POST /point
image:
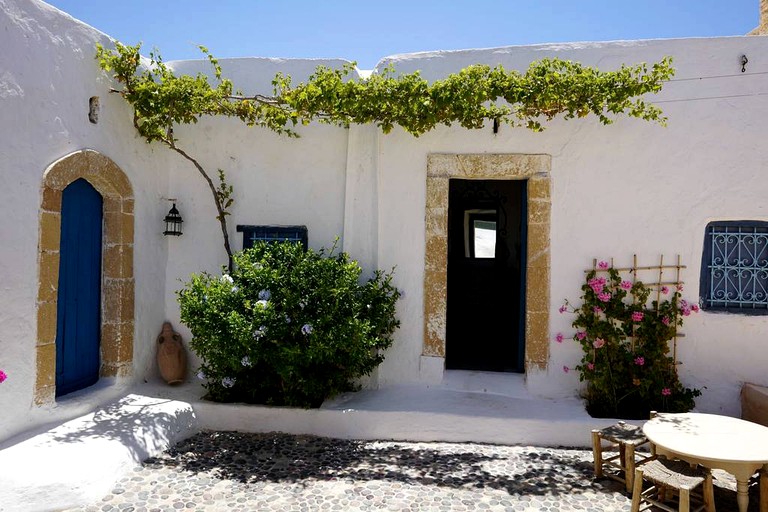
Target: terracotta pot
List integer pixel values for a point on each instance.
(171, 357)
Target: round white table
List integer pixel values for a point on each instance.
(716, 442)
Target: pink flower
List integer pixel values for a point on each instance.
(603, 265)
(581, 335)
(597, 310)
(3, 376)
(566, 369)
(599, 342)
(637, 316)
(640, 361)
(695, 308)
(597, 284)
(590, 366)
(626, 285)
(679, 287)
(563, 308)
(605, 296)
(665, 320)
(664, 290)
(559, 337)
(666, 391)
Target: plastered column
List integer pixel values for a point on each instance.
(361, 235)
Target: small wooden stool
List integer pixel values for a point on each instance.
(668, 475)
(623, 438)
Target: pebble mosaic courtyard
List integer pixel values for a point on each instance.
(230, 471)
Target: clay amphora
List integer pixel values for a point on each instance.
(171, 357)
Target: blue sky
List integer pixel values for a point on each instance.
(366, 31)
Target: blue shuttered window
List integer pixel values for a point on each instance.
(734, 269)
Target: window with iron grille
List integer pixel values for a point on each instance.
(734, 268)
(252, 234)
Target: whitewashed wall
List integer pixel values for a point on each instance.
(632, 187)
(47, 75)
(628, 188)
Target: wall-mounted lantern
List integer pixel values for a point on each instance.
(173, 222)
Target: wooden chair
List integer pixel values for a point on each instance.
(666, 476)
(624, 439)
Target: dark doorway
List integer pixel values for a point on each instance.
(486, 275)
(78, 314)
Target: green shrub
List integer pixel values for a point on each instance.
(288, 326)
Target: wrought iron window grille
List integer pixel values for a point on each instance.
(734, 269)
(253, 234)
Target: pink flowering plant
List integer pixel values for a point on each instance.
(625, 338)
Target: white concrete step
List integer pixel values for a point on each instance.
(417, 413)
(78, 461)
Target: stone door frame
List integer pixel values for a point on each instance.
(535, 169)
(117, 281)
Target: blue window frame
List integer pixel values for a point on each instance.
(252, 234)
(734, 267)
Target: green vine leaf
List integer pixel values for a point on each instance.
(477, 93)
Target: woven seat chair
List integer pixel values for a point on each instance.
(666, 476)
(624, 439)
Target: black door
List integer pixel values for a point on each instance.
(486, 275)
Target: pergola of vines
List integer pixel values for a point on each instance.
(162, 100)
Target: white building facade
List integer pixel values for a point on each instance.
(577, 191)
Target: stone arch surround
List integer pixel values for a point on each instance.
(535, 169)
(117, 281)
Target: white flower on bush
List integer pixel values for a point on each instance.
(201, 375)
(265, 295)
(226, 278)
(287, 319)
(302, 304)
(235, 289)
(306, 329)
(258, 333)
(228, 382)
(246, 361)
(262, 303)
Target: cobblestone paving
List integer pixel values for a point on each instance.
(225, 471)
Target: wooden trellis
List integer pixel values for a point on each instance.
(658, 279)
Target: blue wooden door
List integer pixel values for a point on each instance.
(78, 321)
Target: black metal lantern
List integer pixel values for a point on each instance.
(173, 222)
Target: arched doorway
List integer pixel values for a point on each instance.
(115, 278)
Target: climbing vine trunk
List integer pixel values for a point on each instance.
(222, 216)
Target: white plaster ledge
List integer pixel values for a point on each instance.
(78, 461)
